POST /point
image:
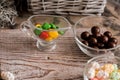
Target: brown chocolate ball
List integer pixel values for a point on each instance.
(114, 40)
(85, 42)
(92, 41)
(85, 35)
(97, 35)
(108, 34)
(101, 45)
(111, 45)
(95, 29)
(95, 47)
(103, 39)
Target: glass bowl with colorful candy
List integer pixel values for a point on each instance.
(103, 67)
(96, 35)
(46, 29)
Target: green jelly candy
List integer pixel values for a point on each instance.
(61, 32)
(115, 75)
(53, 26)
(37, 31)
(57, 27)
(46, 26)
(115, 67)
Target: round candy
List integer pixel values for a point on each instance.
(7, 76)
(91, 73)
(94, 79)
(44, 35)
(115, 75)
(108, 34)
(115, 67)
(111, 45)
(61, 32)
(85, 42)
(53, 26)
(108, 68)
(53, 34)
(97, 35)
(95, 29)
(114, 40)
(92, 41)
(100, 45)
(37, 31)
(49, 39)
(102, 74)
(38, 25)
(104, 39)
(85, 35)
(95, 65)
(46, 26)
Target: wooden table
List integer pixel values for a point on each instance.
(19, 55)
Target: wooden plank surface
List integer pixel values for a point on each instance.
(19, 55)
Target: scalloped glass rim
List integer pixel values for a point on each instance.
(76, 38)
(95, 58)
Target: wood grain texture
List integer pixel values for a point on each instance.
(19, 55)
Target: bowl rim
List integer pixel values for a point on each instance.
(111, 55)
(76, 38)
(68, 27)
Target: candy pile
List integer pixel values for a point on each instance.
(98, 40)
(47, 31)
(6, 76)
(103, 72)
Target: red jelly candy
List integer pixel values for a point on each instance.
(94, 79)
(44, 35)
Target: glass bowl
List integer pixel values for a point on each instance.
(105, 24)
(103, 67)
(46, 29)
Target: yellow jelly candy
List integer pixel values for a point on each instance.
(38, 25)
(53, 34)
(96, 71)
(49, 39)
(108, 68)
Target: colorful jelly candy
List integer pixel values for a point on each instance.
(53, 26)
(37, 31)
(53, 34)
(46, 26)
(61, 32)
(115, 75)
(103, 72)
(94, 79)
(108, 68)
(49, 39)
(47, 31)
(38, 25)
(44, 35)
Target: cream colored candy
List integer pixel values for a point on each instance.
(95, 65)
(7, 75)
(102, 74)
(108, 68)
(91, 73)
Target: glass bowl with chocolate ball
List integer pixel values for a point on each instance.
(96, 35)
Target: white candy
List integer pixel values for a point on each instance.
(102, 74)
(95, 65)
(7, 75)
(91, 73)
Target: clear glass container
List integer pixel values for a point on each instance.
(105, 24)
(110, 62)
(30, 25)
